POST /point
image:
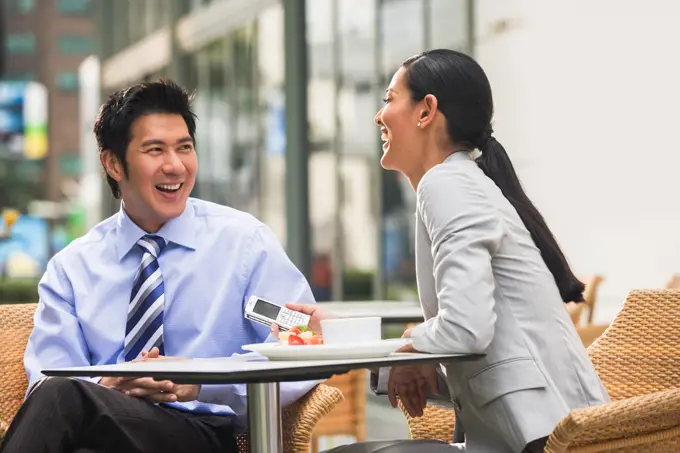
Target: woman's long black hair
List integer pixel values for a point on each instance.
(464, 97)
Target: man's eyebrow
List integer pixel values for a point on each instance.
(153, 141)
(157, 141)
(186, 139)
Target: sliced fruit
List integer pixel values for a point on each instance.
(306, 335)
(295, 340)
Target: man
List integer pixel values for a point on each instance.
(167, 275)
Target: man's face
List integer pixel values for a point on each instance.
(162, 164)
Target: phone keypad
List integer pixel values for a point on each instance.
(292, 318)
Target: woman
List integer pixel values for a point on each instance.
(491, 277)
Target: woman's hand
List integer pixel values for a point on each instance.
(410, 383)
(407, 347)
(316, 313)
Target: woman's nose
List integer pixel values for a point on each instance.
(377, 118)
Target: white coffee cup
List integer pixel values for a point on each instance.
(351, 330)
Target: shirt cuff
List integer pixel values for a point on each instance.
(379, 381)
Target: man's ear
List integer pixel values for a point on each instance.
(428, 110)
(112, 165)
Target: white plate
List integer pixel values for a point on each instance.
(275, 351)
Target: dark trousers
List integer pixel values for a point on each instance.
(64, 415)
(416, 446)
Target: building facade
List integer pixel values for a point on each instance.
(235, 55)
(45, 42)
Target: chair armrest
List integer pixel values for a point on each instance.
(3, 430)
(639, 420)
(300, 418)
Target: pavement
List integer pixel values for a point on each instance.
(382, 423)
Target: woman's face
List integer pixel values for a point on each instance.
(400, 131)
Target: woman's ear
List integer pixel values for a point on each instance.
(428, 110)
(112, 165)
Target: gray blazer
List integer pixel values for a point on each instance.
(484, 288)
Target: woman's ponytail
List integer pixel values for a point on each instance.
(496, 164)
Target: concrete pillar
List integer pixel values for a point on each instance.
(297, 143)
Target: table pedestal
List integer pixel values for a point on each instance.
(265, 433)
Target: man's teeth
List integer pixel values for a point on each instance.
(168, 186)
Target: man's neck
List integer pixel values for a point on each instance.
(148, 225)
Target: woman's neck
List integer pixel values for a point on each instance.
(427, 164)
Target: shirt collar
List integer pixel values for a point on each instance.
(459, 155)
(179, 230)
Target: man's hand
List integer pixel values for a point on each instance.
(155, 354)
(150, 389)
(316, 313)
(410, 384)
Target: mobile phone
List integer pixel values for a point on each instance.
(268, 313)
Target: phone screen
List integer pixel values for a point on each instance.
(266, 309)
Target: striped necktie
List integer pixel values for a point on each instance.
(144, 328)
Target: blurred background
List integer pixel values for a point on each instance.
(586, 97)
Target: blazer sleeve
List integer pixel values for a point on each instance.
(465, 230)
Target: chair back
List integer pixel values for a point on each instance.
(590, 295)
(16, 323)
(582, 313)
(639, 353)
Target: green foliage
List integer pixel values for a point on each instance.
(18, 291)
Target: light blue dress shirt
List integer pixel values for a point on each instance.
(216, 258)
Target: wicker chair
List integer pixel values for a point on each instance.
(674, 282)
(16, 322)
(638, 360)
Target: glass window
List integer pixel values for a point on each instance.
(403, 32)
(21, 77)
(75, 44)
(195, 4)
(449, 24)
(271, 119)
(137, 20)
(214, 130)
(74, 6)
(119, 27)
(357, 142)
(70, 164)
(228, 133)
(343, 99)
(20, 43)
(67, 81)
(403, 35)
(244, 160)
(156, 14)
(21, 6)
(324, 202)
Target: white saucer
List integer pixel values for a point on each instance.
(275, 351)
